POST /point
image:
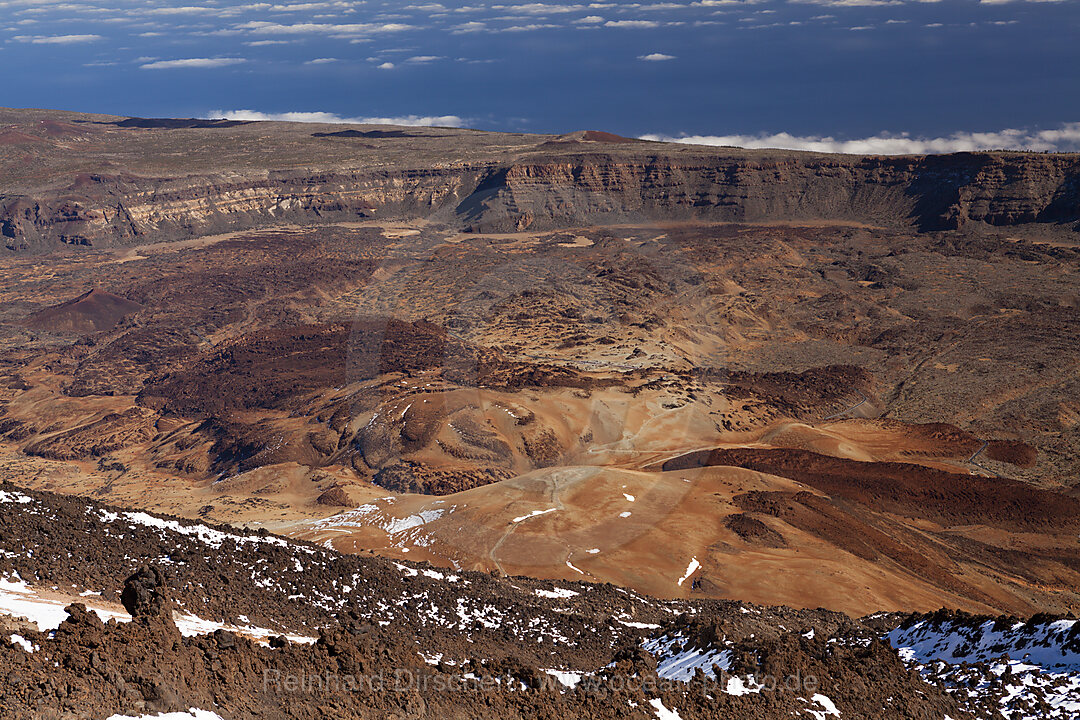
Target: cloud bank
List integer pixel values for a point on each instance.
(192, 63)
(57, 39)
(1065, 138)
(332, 118)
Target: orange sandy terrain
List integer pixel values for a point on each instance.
(489, 427)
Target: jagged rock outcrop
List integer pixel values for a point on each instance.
(146, 595)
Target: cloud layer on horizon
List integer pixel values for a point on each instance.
(1065, 138)
(334, 119)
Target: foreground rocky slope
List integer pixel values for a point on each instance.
(359, 637)
(99, 180)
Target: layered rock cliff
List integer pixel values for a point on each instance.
(544, 188)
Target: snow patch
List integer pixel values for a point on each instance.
(20, 640)
(567, 678)
(556, 594)
(690, 570)
(662, 713)
(20, 600)
(676, 661)
(192, 714)
(826, 703)
(533, 514)
(7, 497)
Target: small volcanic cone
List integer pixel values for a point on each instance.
(91, 312)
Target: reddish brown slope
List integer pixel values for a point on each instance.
(90, 312)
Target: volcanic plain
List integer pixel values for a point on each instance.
(784, 378)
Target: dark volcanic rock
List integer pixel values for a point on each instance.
(145, 595)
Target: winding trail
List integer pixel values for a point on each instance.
(850, 409)
(971, 461)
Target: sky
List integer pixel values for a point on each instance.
(887, 76)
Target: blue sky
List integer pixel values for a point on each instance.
(859, 75)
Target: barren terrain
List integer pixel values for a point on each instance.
(569, 358)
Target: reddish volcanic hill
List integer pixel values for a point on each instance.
(90, 312)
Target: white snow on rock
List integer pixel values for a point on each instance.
(207, 535)
(190, 625)
(567, 678)
(192, 714)
(7, 497)
(408, 523)
(20, 640)
(20, 600)
(829, 708)
(405, 529)
(737, 686)
(675, 661)
(1034, 663)
(690, 570)
(662, 713)
(533, 514)
(629, 497)
(556, 594)
(1054, 645)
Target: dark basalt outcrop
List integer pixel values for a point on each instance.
(145, 594)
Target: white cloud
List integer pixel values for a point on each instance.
(57, 39)
(333, 118)
(183, 10)
(1063, 139)
(663, 6)
(386, 66)
(589, 20)
(321, 61)
(527, 28)
(420, 59)
(193, 63)
(656, 57)
(345, 29)
(852, 3)
(631, 24)
(537, 8)
(469, 27)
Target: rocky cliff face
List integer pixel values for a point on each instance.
(545, 191)
(930, 193)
